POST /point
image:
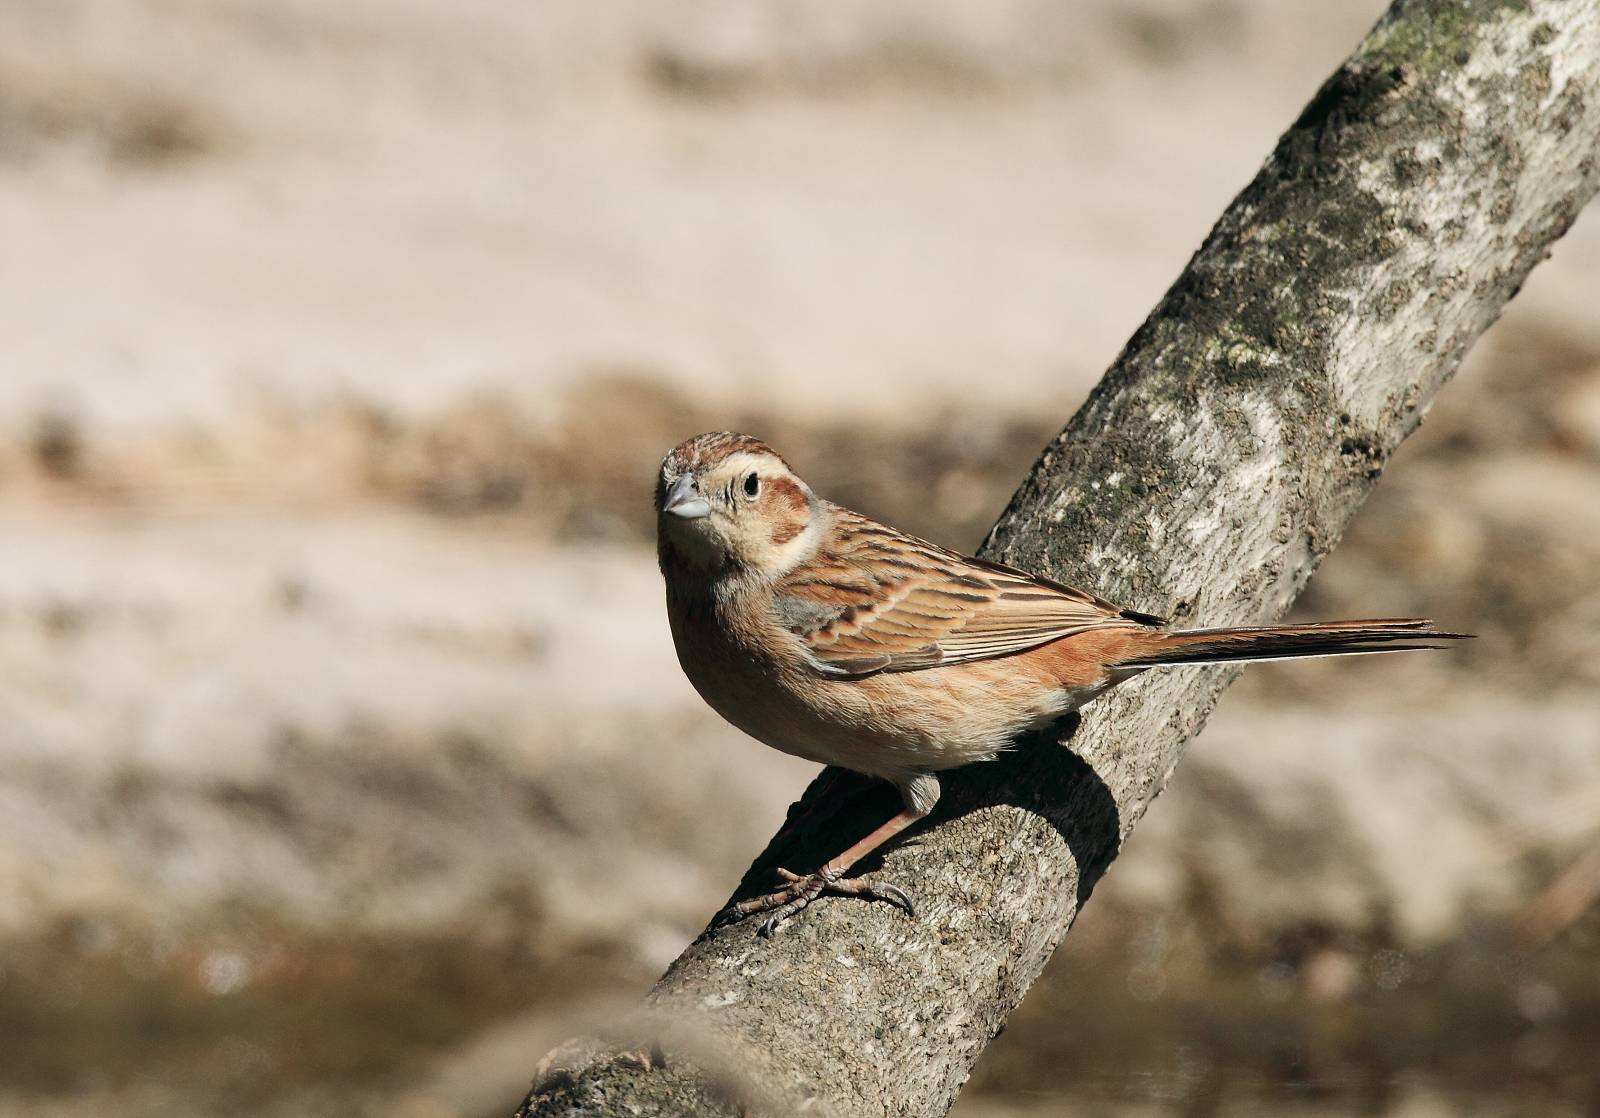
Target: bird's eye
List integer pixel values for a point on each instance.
(752, 485)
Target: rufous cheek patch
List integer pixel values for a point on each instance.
(788, 507)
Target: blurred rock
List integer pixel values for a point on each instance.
(1578, 414)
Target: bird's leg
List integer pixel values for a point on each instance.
(799, 891)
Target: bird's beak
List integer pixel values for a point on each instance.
(682, 500)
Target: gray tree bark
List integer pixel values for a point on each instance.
(1208, 473)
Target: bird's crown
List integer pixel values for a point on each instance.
(706, 452)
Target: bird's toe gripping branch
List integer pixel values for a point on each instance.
(799, 891)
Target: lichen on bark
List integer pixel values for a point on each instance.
(1207, 474)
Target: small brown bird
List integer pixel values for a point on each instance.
(835, 638)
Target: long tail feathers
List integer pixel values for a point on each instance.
(1280, 642)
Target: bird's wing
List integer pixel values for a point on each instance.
(876, 600)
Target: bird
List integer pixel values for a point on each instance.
(829, 636)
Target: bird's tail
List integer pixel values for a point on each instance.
(1281, 642)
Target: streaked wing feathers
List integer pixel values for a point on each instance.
(876, 600)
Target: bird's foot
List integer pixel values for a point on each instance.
(798, 892)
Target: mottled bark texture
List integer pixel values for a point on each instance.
(1207, 474)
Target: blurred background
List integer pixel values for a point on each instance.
(344, 761)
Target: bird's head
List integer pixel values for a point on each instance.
(729, 504)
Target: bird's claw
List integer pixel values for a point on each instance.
(797, 893)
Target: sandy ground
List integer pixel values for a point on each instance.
(827, 206)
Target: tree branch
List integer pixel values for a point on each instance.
(1212, 468)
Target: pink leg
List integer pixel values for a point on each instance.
(798, 892)
(876, 839)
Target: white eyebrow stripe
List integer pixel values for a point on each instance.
(741, 461)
